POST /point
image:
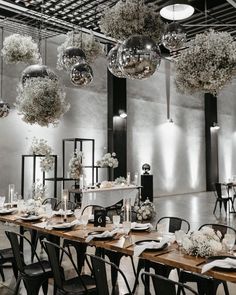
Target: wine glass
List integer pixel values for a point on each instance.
(77, 213)
(126, 228)
(179, 234)
(116, 220)
(229, 241)
(84, 220)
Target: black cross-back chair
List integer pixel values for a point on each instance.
(164, 286)
(204, 282)
(52, 201)
(99, 267)
(6, 256)
(70, 205)
(175, 223)
(34, 275)
(221, 199)
(80, 284)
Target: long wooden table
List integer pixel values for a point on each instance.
(171, 256)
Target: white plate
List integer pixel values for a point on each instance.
(139, 228)
(7, 211)
(68, 213)
(31, 217)
(62, 226)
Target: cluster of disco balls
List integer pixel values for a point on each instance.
(74, 60)
(138, 57)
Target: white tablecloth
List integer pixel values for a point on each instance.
(107, 197)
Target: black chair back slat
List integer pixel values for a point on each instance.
(165, 286)
(52, 201)
(70, 205)
(222, 228)
(13, 238)
(175, 223)
(218, 189)
(100, 275)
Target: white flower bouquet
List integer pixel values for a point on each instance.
(131, 17)
(108, 160)
(47, 163)
(41, 101)
(40, 147)
(75, 165)
(18, 48)
(145, 210)
(39, 192)
(87, 42)
(207, 64)
(205, 242)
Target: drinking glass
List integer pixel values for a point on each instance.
(2, 201)
(179, 234)
(126, 228)
(229, 241)
(84, 220)
(116, 220)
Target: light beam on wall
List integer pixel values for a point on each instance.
(169, 135)
(193, 151)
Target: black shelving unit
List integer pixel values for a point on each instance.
(34, 158)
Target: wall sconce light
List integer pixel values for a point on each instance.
(215, 125)
(122, 114)
(177, 10)
(170, 120)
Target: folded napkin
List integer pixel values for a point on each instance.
(141, 225)
(61, 212)
(105, 234)
(138, 249)
(224, 263)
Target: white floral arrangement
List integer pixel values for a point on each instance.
(47, 163)
(106, 184)
(42, 101)
(120, 181)
(40, 147)
(39, 192)
(207, 64)
(108, 160)
(205, 242)
(131, 17)
(19, 48)
(75, 165)
(87, 42)
(145, 210)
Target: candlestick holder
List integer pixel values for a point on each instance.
(65, 194)
(127, 210)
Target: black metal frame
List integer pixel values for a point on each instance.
(34, 172)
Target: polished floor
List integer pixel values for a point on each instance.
(197, 208)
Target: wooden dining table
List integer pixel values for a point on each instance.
(171, 256)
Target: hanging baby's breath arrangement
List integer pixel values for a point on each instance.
(207, 64)
(131, 17)
(42, 101)
(87, 42)
(18, 48)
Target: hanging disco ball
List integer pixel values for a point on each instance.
(112, 62)
(174, 37)
(139, 56)
(4, 109)
(72, 56)
(35, 71)
(81, 74)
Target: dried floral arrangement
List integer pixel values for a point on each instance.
(41, 101)
(19, 48)
(131, 17)
(205, 242)
(87, 42)
(208, 63)
(75, 165)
